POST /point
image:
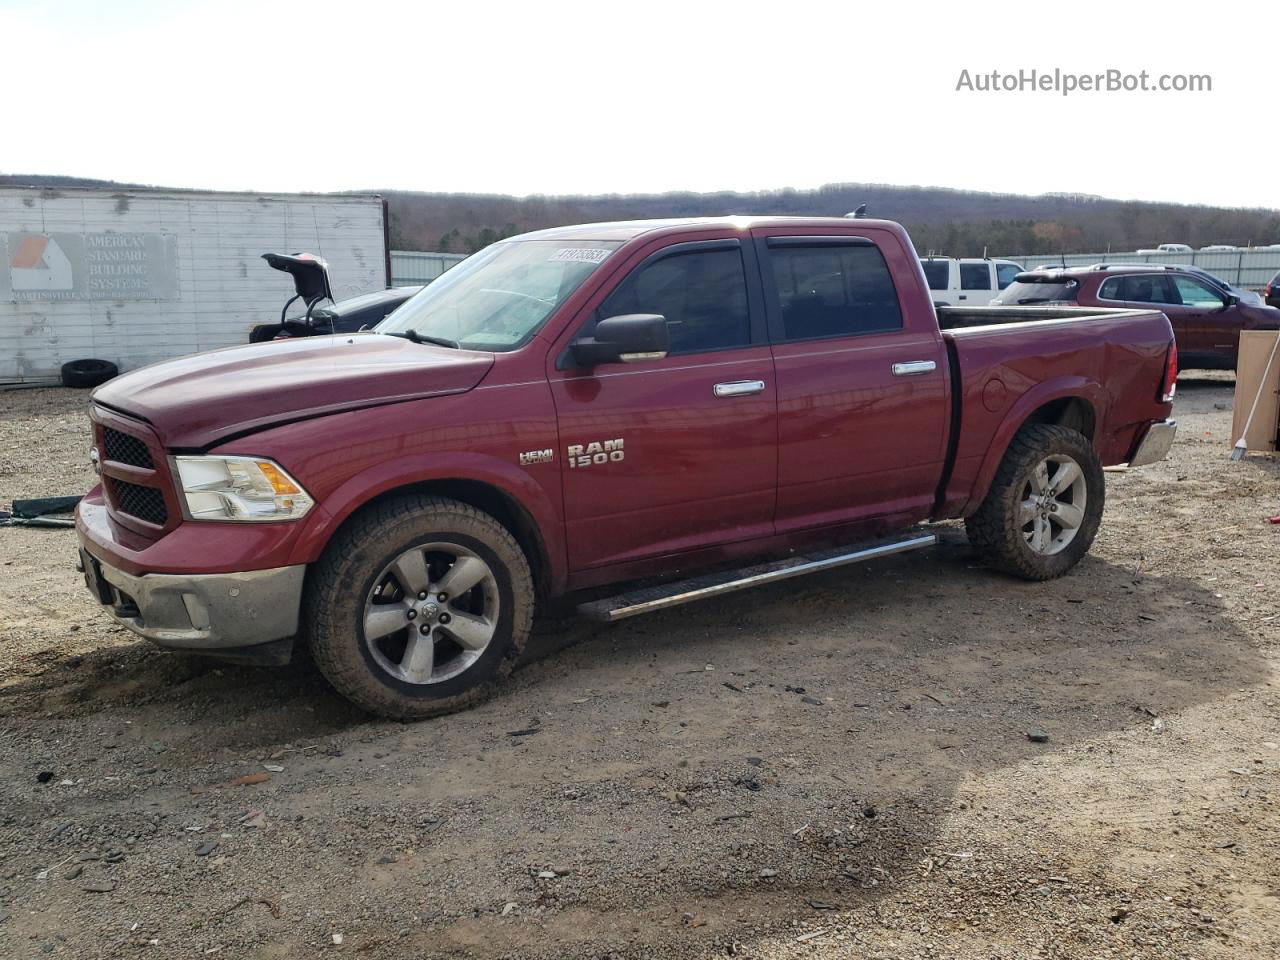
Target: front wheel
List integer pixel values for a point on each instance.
(1044, 506)
(419, 607)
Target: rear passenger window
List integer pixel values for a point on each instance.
(703, 295)
(975, 276)
(834, 291)
(1140, 288)
(1110, 289)
(937, 273)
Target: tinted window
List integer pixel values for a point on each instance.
(1193, 293)
(1110, 289)
(834, 291)
(702, 294)
(1005, 272)
(937, 273)
(975, 276)
(1137, 288)
(1027, 293)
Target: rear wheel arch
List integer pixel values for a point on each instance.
(1077, 413)
(1070, 405)
(1044, 506)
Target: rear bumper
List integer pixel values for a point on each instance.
(1156, 444)
(207, 613)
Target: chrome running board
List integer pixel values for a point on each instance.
(612, 609)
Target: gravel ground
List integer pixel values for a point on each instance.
(837, 766)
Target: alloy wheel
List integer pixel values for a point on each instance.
(1052, 506)
(431, 613)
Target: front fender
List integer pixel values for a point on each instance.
(382, 478)
(1059, 388)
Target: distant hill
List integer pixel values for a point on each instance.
(43, 180)
(954, 222)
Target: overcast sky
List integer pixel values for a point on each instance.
(569, 97)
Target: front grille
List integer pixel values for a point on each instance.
(123, 448)
(145, 503)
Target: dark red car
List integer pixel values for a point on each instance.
(1272, 292)
(590, 406)
(1207, 319)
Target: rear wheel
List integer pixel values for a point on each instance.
(1044, 506)
(419, 607)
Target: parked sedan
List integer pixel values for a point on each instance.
(1206, 319)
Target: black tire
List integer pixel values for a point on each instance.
(995, 529)
(338, 585)
(82, 374)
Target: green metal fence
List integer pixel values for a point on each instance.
(412, 267)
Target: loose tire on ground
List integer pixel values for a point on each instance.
(357, 587)
(82, 374)
(1021, 529)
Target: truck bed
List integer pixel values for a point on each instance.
(1006, 358)
(956, 318)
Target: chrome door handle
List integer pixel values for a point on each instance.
(913, 368)
(738, 388)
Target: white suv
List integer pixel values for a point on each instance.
(968, 280)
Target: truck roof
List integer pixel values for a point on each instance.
(628, 229)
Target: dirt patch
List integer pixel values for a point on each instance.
(835, 766)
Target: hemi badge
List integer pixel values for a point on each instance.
(537, 456)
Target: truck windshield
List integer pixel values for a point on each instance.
(498, 298)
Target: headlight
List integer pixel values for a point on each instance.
(239, 488)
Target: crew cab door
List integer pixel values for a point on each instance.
(1209, 327)
(976, 286)
(1203, 330)
(669, 455)
(862, 380)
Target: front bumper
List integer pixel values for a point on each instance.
(209, 613)
(1156, 444)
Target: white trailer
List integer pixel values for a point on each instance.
(137, 276)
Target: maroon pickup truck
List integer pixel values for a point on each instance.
(611, 404)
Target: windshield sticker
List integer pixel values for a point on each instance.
(579, 255)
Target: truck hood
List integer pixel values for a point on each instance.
(195, 401)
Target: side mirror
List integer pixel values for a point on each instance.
(1232, 300)
(630, 338)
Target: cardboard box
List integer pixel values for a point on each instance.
(1256, 348)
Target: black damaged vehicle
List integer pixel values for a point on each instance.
(311, 285)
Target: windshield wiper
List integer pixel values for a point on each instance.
(1026, 300)
(416, 337)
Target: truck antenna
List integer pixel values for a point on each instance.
(859, 213)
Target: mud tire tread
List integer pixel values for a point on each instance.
(334, 582)
(993, 529)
